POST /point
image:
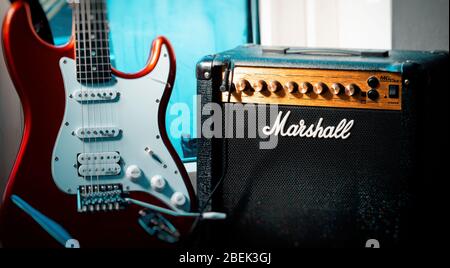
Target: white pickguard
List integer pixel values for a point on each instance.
(135, 112)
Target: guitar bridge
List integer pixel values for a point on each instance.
(105, 197)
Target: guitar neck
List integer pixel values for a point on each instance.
(92, 42)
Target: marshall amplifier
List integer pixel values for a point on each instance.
(323, 148)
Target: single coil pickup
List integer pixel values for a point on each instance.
(98, 158)
(97, 132)
(99, 170)
(95, 95)
(104, 197)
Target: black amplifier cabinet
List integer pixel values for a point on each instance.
(361, 143)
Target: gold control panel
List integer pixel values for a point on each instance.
(316, 87)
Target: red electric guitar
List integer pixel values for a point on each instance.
(95, 167)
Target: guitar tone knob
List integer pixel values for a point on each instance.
(158, 182)
(260, 86)
(178, 199)
(133, 172)
(320, 88)
(337, 89)
(305, 87)
(292, 87)
(274, 86)
(351, 90)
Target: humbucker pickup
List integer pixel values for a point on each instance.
(99, 170)
(98, 158)
(97, 132)
(95, 95)
(92, 198)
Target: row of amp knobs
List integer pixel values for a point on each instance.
(244, 86)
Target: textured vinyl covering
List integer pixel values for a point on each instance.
(254, 55)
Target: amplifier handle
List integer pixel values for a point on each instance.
(329, 52)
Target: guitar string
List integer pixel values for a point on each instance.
(99, 41)
(88, 130)
(95, 87)
(78, 50)
(103, 79)
(84, 86)
(105, 47)
(107, 57)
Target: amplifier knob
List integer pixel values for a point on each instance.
(291, 87)
(373, 82)
(242, 86)
(351, 90)
(373, 94)
(305, 87)
(337, 89)
(274, 86)
(260, 86)
(320, 88)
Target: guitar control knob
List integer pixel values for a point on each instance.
(373, 94)
(133, 172)
(337, 89)
(242, 86)
(351, 90)
(320, 88)
(274, 86)
(178, 199)
(260, 86)
(158, 182)
(292, 87)
(305, 87)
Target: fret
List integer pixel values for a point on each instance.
(92, 42)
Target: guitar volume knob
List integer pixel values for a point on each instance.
(133, 172)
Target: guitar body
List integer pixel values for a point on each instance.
(44, 77)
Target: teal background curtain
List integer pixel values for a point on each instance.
(195, 28)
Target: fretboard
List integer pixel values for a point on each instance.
(92, 42)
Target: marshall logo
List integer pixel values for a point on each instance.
(341, 131)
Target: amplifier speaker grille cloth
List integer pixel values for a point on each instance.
(317, 192)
